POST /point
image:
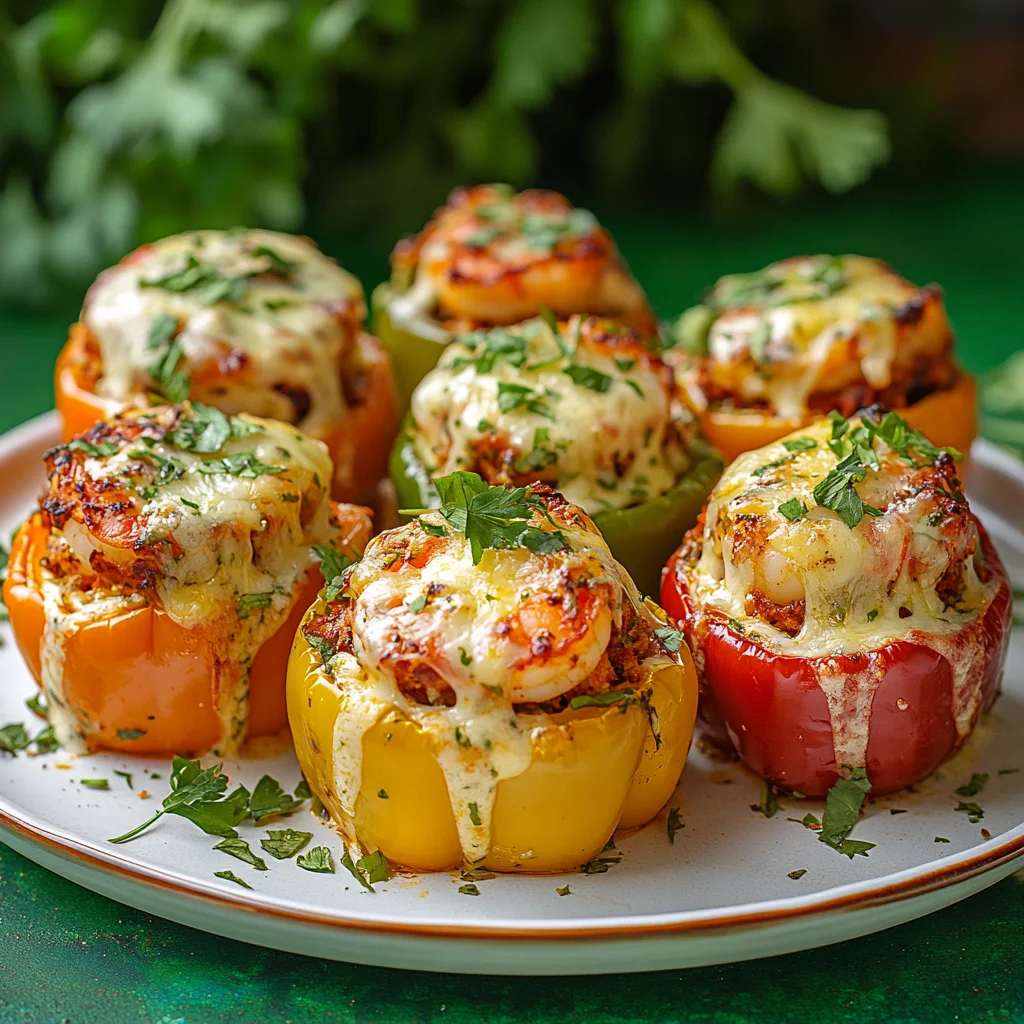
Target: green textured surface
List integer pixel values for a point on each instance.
(69, 955)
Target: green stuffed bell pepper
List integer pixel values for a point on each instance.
(582, 405)
(493, 256)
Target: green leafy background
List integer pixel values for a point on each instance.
(126, 121)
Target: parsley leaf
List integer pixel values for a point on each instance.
(247, 602)
(204, 430)
(975, 786)
(242, 464)
(842, 809)
(800, 444)
(601, 700)
(332, 563)
(269, 798)
(105, 448)
(588, 377)
(671, 638)
(13, 738)
(161, 330)
(769, 803)
(168, 380)
(972, 810)
(417, 604)
(197, 793)
(793, 509)
(374, 866)
(318, 859)
(230, 876)
(469, 890)
(514, 396)
(673, 824)
(351, 867)
(798, 874)
(239, 849)
(283, 844)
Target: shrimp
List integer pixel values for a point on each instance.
(492, 256)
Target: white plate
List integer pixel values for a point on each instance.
(720, 893)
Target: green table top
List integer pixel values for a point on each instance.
(67, 954)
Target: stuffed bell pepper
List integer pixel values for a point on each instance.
(494, 256)
(770, 351)
(243, 321)
(487, 687)
(155, 592)
(581, 405)
(845, 608)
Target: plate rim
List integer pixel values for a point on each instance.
(892, 888)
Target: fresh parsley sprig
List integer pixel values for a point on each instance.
(492, 517)
(842, 809)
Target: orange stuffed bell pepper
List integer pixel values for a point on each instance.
(244, 321)
(155, 592)
(768, 352)
(489, 689)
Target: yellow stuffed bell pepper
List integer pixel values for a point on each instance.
(492, 695)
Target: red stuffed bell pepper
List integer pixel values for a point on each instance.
(844, 607)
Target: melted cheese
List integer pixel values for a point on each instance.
(461, 633)
(608, 450)
(244, 537)
(291, 332)
(862, 588)
(813, 324)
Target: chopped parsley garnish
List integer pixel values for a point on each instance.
(242, 464)
(247, 602)
(599, 865)
(624, 365)
(130, 734)
(96, 783)
(474, 813)
(796, 875)
(673, 824)
(842, 809)
(774, 464)
(588, 377)
(490, 346)
(670, 637)
(368, 869)
(769, 802)
(492, 517)
(972, 810)
(417, 604)
(515, 396)
(602, 700)
(230, 876)
(1008, 771)
(975, 786)
(793, 509)
(205, 429)
(464, 657)
(382, 794)
(800, 444)
(239, 849)
(127, 776)
(268, 798)
(13, 738)
(872, 615)
(197, 793)
(161, 330)
(283, 844)
(562, 890)
(318, 859)
(105, 448)
(172, 383)
(469, 890)
(332, 566)
(633, 384)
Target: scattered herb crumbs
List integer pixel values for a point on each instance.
(239, 848)
(671, 638)
(599, 865)
(941, 839)
(799, 873)
(283, 844)
(972, 810)
(382, 794)
(230, 876)
(975, 786)
(268, 798)
(769, 804)
(563, 890)
(469, 890)
(318, 859)
(96, 783)
(872, 615)
(673, 824)
(1008, 771)
(477, 875)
